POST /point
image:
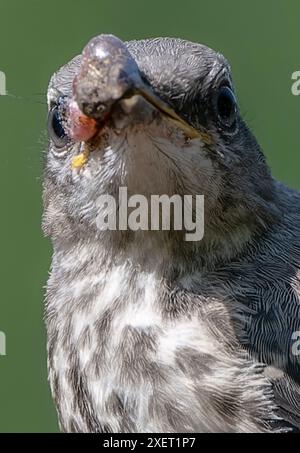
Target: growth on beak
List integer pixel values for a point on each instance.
(108, 74)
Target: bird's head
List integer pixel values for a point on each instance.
(156, 116)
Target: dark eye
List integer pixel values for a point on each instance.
(226, 106)
(55, 128)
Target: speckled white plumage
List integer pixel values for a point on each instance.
(147, 333)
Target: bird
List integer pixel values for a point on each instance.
(146, 331)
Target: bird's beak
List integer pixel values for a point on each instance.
(148, 94)
(109, 74)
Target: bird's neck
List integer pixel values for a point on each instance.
(228, 230)
(224, 240)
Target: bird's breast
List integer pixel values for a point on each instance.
(128, 353)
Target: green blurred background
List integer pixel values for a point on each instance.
(260, 39)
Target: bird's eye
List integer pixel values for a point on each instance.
(55, 128)
(226, 106)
